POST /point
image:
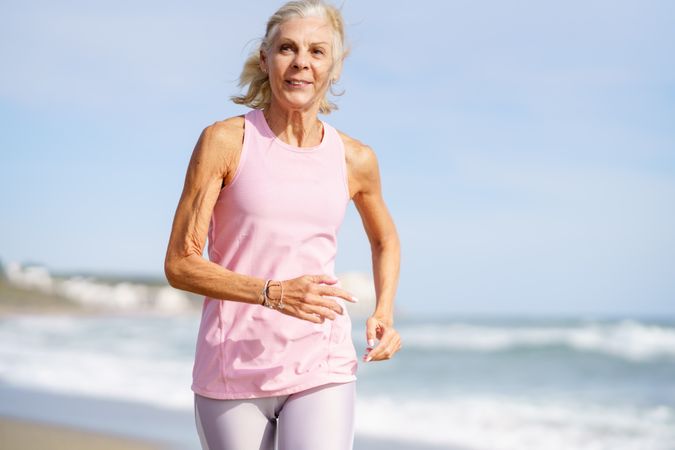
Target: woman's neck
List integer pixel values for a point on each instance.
(297, 128)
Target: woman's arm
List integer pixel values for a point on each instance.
(210, 165)
(366, 191)
(214, 162)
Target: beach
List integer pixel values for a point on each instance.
(72, 374)
(21, 434)
(31, 419)
(55, 415)
(78, 420)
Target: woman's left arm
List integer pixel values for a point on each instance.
(366, 191)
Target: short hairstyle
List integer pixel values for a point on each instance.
(259, 94)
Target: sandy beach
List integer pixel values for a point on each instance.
(38, 419)
(77, 378)
(21, 434)
(31, 419)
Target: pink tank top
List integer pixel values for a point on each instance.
(277, 219)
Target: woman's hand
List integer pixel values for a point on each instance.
(308, 297)
(381, 328)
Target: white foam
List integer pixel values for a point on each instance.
(150, 361)
(90, 357)
(507, 423)
(627, 339)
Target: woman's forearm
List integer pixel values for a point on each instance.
(195, 274)
(386, 267)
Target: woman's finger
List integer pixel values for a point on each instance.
(315, 304)
(381, 353)
(331, 291)
(330, 304)
(323, 302)
(308, 316)
(306, 295)
(386, 348)
(321, 279)
(323, 311)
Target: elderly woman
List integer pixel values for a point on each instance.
(269, 189)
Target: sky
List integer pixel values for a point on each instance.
(527, 148)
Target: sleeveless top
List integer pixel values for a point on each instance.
(277, 219)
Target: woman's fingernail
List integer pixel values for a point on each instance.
(371, 342)
(355, 300)
(368, 358)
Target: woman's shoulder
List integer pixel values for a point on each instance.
(229, 130)
(359, 156)
(225, 137)
(220, 144)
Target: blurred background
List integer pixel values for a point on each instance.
(527, 152)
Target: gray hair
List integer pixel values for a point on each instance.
(259, 94)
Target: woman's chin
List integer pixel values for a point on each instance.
(297, 102)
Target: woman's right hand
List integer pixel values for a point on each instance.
(308, 297)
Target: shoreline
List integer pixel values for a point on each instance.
(75, 422)
(18, 434)
(166, 429)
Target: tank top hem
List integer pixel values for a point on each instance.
(219, 395)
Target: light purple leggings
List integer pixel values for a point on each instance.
(317, 418)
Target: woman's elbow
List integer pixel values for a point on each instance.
(172, 271)
(387, 242)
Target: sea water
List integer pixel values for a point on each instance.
(483, 384)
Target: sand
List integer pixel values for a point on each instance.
(28, 421)
(33, 419)
(18, 434)
(21, 435)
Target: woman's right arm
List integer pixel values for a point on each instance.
(214, 161)
(210, 165)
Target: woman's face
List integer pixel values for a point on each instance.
(299, 63)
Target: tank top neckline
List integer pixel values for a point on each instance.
(267, 131)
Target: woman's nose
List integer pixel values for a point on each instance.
(300, 61)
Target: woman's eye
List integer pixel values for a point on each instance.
(319, 51)
(285, 48)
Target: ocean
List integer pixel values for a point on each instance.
(460, 383)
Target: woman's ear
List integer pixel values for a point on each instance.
(337, 70)
(335, 74)
(262, 61)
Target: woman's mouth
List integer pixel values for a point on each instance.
(297, 83)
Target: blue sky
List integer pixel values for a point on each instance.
(527, 148)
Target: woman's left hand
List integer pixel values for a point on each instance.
(389, 340)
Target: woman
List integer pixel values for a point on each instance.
(269, 189)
